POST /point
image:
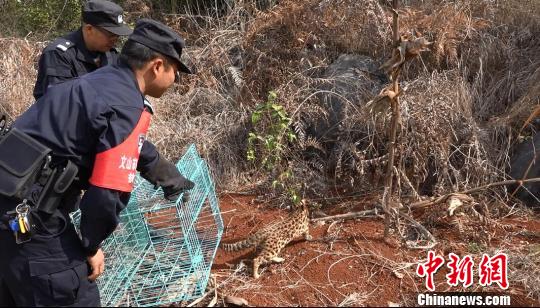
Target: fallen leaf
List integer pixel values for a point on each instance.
(237, 301)
(453, 203)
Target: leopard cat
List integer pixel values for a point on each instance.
(271, 239)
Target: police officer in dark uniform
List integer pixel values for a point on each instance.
(99, 122)
(84, 50)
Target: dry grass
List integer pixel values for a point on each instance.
(480, 79)
(299, 35)
(525, 270)
(17, 74)
(462, 103)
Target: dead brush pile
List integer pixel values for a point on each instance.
(504, 60)
(241, 56)
(18, 58)
(296, 37)
(446, 143)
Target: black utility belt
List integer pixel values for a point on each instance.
(28, 176)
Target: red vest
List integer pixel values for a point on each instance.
(116, 168)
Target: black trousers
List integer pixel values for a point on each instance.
(49, 270)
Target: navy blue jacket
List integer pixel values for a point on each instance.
(82, 117)
(66, 58)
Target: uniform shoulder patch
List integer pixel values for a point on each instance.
(63, 44)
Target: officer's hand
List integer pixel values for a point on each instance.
(97, 264)
(165, 175)
(181, 185)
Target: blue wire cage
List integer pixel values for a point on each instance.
(162, 251)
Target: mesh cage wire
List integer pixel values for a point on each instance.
(162, 251)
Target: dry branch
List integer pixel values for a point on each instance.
(422, 229)
(425, 203)
(405, 50)
(394, 103)
(350, 215)
(535, 114)
(440, 199)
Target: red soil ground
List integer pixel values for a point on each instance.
(348, 263)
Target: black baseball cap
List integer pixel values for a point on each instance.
(160, 38)
(107, 15)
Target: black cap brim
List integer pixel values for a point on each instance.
(184, 68)
(119, 30)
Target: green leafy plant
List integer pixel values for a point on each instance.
(271, 135)
(274, 136)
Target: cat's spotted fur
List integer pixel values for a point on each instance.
(271, 239)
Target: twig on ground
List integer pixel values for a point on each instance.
(422, 229)
(330, 268)
(350, 215)
(317, 290)
(440, 199)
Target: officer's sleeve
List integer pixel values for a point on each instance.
(100, 214)
(54, 67)
(101, 207)
(148, 158)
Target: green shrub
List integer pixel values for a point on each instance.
(268, 142)
(40, 18)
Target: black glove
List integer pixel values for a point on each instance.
(172, 193)
(166, 175)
